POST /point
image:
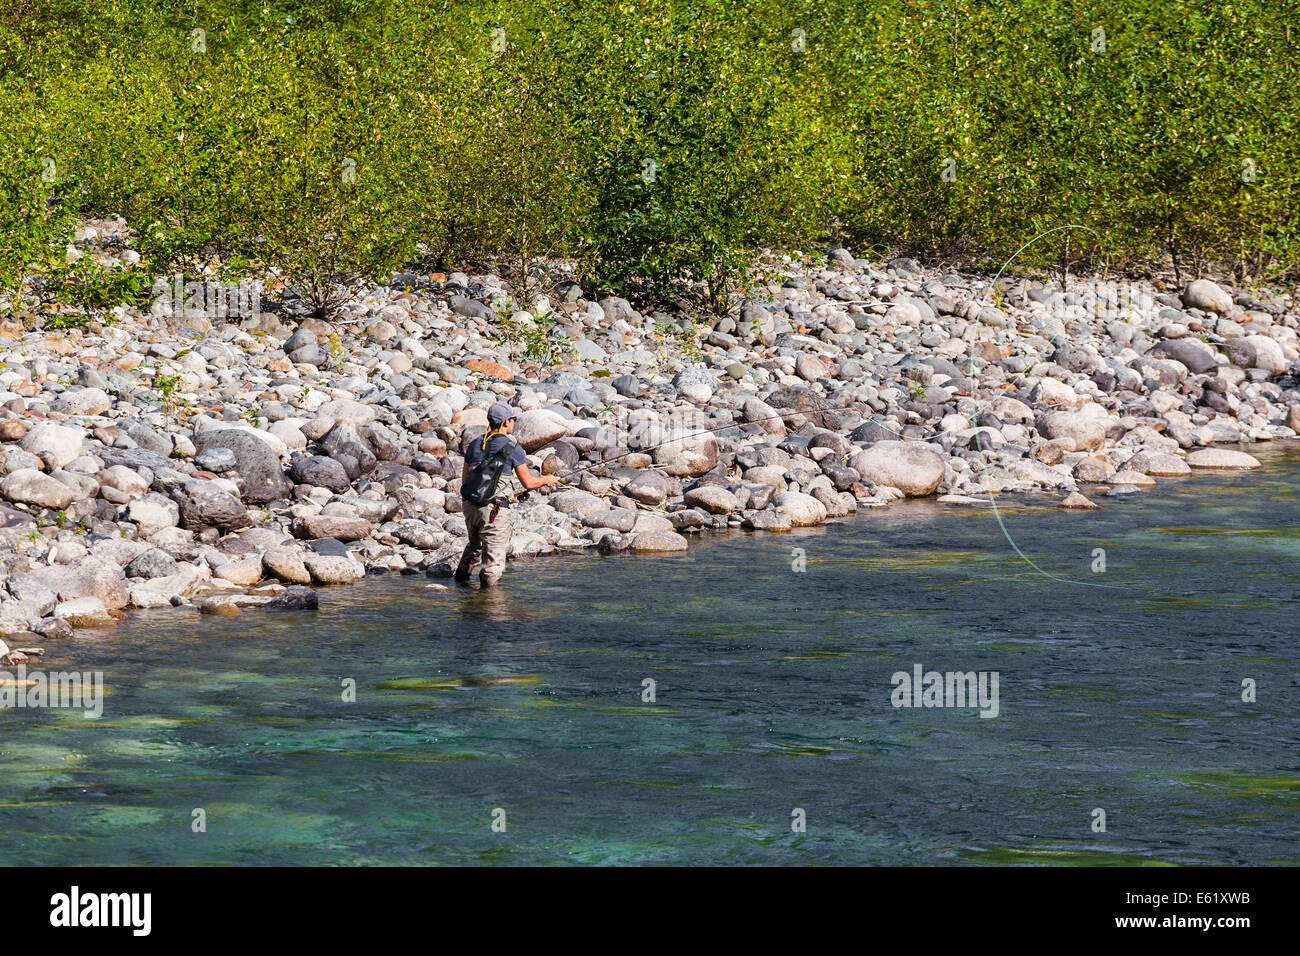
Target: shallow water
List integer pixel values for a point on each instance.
(1119, 690)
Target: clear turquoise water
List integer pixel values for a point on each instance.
(773, 693)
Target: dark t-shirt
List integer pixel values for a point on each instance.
(508, 485)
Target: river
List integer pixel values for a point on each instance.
(515, 726)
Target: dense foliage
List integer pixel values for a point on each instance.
(657, 143)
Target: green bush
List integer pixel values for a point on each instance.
(331, 140)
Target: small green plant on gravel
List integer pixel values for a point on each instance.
(61, 519)
(917, 390)
(685, 342)
(539, 340)
(334, 351)
(166, 384)
(252, 413)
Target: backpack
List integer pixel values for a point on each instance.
(481, 487)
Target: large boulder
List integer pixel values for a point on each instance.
(1195, 355)
(339, 527)
(713, 499)
(1221, 458)
(320, 471)
(30, 487)
(58, 442)
(334, 569)
(287, 565)
(1207, 296)
(802, 510)
(648, 487)
(658, 541)
(689, 456)
(345, 445)
(83, 401)
(539, 427)
(203, 504)
(153, 512)
(1075, 431)
(1258, 351)
(261, 477)
(88, 577)
(913, 468)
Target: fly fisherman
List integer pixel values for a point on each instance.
(495, 472)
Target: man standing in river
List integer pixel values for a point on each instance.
(488, 523)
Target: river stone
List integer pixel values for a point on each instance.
(216, 460)
(1195, 355)
(913, 468)
(711, 498)
(419, 534)
(124, 479)
(320, 471)
(539, 427)
(647, 487)
(1074, 430)
(334, 569)
(619, 519)
(153, 563)
(153, 512)
(255, 461)
(344, 443)
(1220, 458)
(245, 571)
(659, 540)
(1159, 464)
(768, 418)
(160, 592)
(1074, 500)
(60, 443)
(802, 510)
(83, 401)
(133, 458)
(689, 456)
(286, 564)
(294, 598)
(30, 487)
(88, 577)
(203, 504)
(345, 409)
(769, 519)
(1207, 296)
(572, 499)
(1094, 469)
(84, 612)
(339, 527)
(651, 521)
(1258, 351)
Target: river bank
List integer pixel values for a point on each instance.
(229, 452)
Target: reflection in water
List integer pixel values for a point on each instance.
(771, 690)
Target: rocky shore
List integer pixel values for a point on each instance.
(187, 456)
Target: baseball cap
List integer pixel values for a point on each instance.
(501, 412)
